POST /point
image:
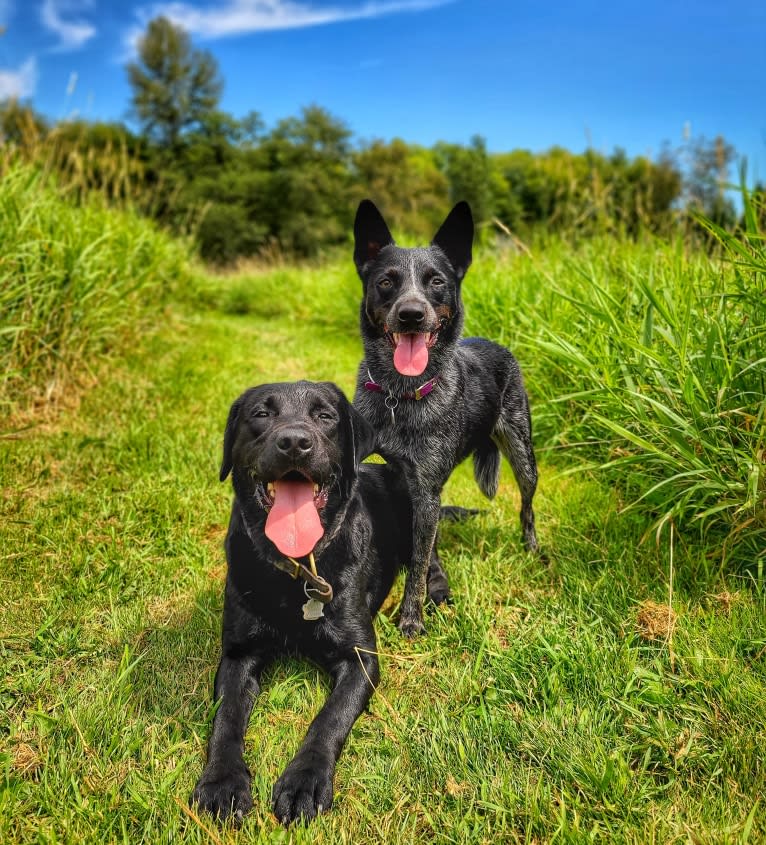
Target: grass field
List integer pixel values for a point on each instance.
(557, 702)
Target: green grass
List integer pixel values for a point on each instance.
(532, 711)
(648, 363)
(76, 283)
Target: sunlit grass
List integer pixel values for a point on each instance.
(538, 707)
(531, 711)
(647, 362)
(76, 283)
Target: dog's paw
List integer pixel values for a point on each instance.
(412, 628)
(437, 590)
(533, 548)
(304, 790)
(528, 534)
(224, 794)
(439, 595)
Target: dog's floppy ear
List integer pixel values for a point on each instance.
(455, 238)
(358, 436)
(362, 436)
(228, 438)
(370, 233)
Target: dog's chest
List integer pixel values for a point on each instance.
(423, 433)
(283, 616)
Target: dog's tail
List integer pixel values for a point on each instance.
(454, 513)
(486, 468)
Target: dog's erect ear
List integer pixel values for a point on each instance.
(228, 438)
(455, 238)
(370, 233)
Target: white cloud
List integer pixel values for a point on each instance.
(238, 17)
(71, 33)
(19, 83)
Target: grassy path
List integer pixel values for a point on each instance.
(532, 711)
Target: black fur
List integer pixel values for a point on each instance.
(273, 430)
(479, 406)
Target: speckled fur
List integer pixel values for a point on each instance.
(479, 406)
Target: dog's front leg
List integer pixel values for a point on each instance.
(305, 788)
(224, 787)
(424, 524)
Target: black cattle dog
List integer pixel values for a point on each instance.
(432, 399)
(293, 451)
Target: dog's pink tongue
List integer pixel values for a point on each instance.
(411, 354)
(293, 524)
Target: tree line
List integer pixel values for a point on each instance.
(243, 189)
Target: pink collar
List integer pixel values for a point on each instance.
(417, 394)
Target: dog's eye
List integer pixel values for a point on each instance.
(384, 284)
(437, 282)
(324, 415)
(261, 414)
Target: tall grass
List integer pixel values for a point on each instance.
(648, 364)
(645, 363)
(87, 159)
(76, 282)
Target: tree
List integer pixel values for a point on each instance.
(707, 178)
(304, 195)
(175, 87)
(20, 124)
(405, 182)
(469, 173)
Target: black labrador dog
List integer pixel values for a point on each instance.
(294, 452)
(433, 399)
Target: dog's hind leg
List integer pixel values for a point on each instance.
(437, 584)
(454, 513)
(513, 434)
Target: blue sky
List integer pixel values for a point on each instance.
(520, 73)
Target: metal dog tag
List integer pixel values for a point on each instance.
(392, 403)
(313, 610)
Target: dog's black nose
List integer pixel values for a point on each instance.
(411, 311)
(294, 442)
